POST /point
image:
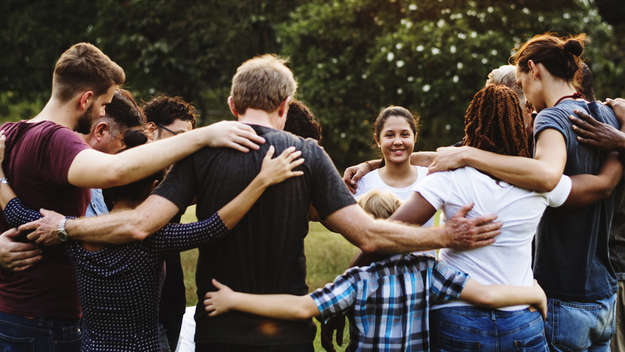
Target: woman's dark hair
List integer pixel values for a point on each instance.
(302, 122)
(137, 191)
(494, 122)
(560, 55)
(392, 110)
(124, 110)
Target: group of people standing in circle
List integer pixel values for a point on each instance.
(527, 201)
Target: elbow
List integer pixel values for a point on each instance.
(548, 182)
(368, 243)
(304, 313)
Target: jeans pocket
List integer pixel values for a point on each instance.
(533, 344)
(68, 340)
(16, 344)
(448, 343)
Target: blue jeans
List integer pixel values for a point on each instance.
(474, 329)
(19, 334)
(580, 326)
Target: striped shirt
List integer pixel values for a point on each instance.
(388, 302)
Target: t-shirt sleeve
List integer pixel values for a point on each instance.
(434, 189)
(446, 282)
(179, 186)
(329, 193)
(338, 296)
(555, 119)
(558, 195)
(63, 146)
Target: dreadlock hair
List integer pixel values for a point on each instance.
(494, 122)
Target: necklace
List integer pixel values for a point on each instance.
(575, 95)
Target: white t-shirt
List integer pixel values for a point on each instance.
(373, 181)
(508, 260)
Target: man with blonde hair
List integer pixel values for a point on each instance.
(264, 252)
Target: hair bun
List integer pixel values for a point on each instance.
(574, 47)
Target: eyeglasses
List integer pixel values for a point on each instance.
(168, 130)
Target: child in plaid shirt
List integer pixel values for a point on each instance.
(387, 302)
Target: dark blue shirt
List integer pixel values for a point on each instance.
(572, 260)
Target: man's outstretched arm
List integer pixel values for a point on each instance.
(119, 227)
(385, 236)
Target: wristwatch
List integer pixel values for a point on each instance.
(4, 180)
(61, 229)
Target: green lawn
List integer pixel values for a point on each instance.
(327, 255)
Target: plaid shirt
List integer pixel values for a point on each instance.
(389, 300)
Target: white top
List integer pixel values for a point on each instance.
(373, 180)
(508, 260)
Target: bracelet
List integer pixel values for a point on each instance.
(4, 180)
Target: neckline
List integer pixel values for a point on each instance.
(575, 95)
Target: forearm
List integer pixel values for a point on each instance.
(180, 237)
(522, 172)
(234, 211)
(422, 158)
(384, 236)
(589, 188)
(124, 226)
(496, 296)
(143, 161)
(288, 307)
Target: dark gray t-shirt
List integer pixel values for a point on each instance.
(617, 239)
(264, 253)
(572, 260)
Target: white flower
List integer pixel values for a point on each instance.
(436, 51)
(484, 60)
(493, 52)
(390, 56)
(400, 91)
(440, 23)
(452, 49)
(462, 35)
(343, 135)
(364, 76)
(319, 65)
(420, 48)
(566, 15)
(410, 79)
(334, 60)
(447, 127)
(400, 63)
(490, 9)
(399, 46)
(526, 11)
(455, 79)
(460, 65)
(412, 7)
(474, 34)
(426, 88)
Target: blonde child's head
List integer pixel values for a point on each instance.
(380, 204)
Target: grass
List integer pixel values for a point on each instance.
(327, 255)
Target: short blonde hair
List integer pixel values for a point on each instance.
(380, 204)
(262, 82)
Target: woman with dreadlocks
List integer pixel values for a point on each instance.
(571, 261)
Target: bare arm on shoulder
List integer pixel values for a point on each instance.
(93, 169)
(540, 174)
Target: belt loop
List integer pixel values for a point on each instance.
(492, 315)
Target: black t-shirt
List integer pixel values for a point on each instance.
(572, 260)
(264, 253)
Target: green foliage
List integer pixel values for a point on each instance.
(351, 57)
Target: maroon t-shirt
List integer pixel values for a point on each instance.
(37, 160)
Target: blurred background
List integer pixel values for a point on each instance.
(351, 57)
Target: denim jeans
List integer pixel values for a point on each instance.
(19, 334)
(580, 326)
(475, 329)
